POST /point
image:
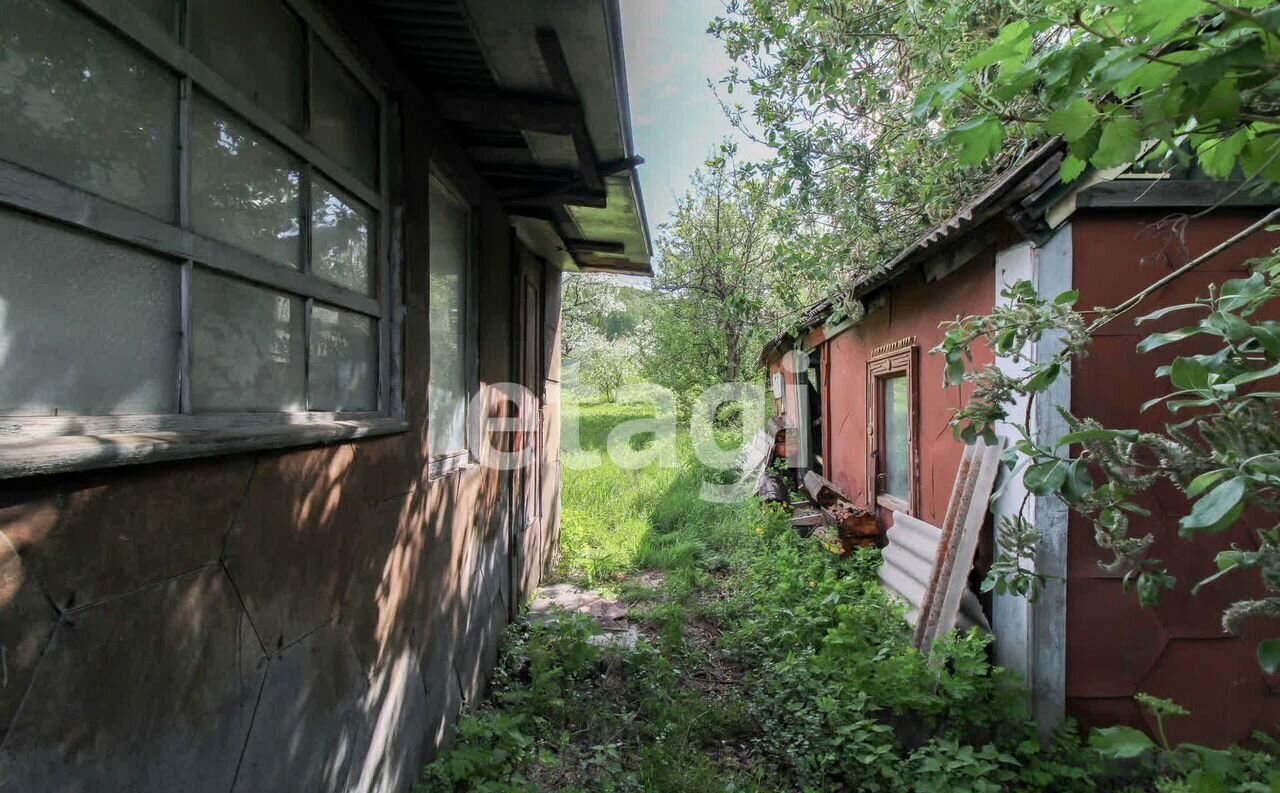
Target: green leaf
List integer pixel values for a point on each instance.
(1216, 509)
(1072, 122)
(955, 368)
(1120, 743)
(1188, 373)
(1078, 484)
(1045, 478)
(1013, 43)
(1256, 375)
(1068, 298)
(1157, 340)
(1220, 156)
(977, 139)
(1072, 167)
(1154, 315)
(1096, 435)
(1121, 138)
(1205, 481)
(1269, 656)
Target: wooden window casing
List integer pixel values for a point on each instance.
(899, 359)
(44, 444)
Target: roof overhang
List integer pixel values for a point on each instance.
(536, 93)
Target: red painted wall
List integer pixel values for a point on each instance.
(1114, 647)
(912, 308)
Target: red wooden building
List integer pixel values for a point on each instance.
(880, 420)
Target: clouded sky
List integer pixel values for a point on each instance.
(677, 120)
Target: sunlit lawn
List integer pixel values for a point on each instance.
(617, 521)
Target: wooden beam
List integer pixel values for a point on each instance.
(544, 213)
(529, 173)
(530, 112)
(562, 83)
(594, 246)
(554, 194)
(614, 167)
(1169, 193)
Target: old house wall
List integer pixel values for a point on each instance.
(295, 620)
(911, 308)
(1115, 648)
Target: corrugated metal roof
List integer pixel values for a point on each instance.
(435, 38)
(1019, 181)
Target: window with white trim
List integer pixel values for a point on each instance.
(193, 219)
(449, 389)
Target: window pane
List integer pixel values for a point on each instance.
(897, 450)
(259, 46)
(246, 347)
(447, 395)
(86, 326)
(344, 117)
(340, 239)
(244, 188)
(344, 358)
(82, 106)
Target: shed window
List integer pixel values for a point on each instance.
(450, 234)
(896, 440)
(891, 422)
(193, 227)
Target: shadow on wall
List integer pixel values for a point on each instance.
(304, 620)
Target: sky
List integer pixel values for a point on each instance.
(675, 115)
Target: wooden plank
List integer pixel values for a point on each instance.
(512, 111)
(596, 246)
(562, 82)
(1170, 193)
(83, 452)
(965, 515)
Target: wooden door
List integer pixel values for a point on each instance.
(530, 541)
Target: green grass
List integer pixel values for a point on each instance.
(766, 664)
(617, 522)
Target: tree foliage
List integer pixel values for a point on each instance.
(1202, 80)
(723, 290)
(1198, 77)
(833, 86)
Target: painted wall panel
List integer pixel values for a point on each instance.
(1116, 649)
(912, 308)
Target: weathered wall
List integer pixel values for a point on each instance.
(1115, 648)
(301, 620)
(911, 308)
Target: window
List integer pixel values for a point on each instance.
(891, 406)
(448, 392)
(205, 202)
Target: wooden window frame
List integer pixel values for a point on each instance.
(899, 359)
(31, 445)
(442, 463)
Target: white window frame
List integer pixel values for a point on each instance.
(443, 463)
(40, 445)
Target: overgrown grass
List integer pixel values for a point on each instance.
(618, 521)
(766, 665)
